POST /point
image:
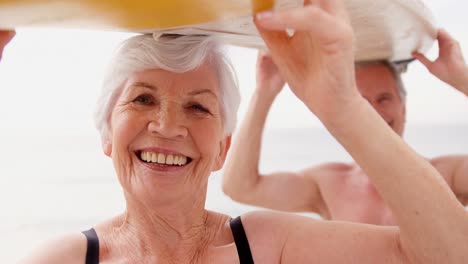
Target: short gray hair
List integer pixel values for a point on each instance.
(175, 53)
(395, 69)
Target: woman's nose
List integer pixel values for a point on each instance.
(169, 123)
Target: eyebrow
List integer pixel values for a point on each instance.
(193, 93)
(204, 91)
(144, 84)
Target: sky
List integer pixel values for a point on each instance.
(50, 80)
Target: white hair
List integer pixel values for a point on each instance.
(396, 71)
(175, 53)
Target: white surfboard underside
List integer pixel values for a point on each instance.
(384, 29)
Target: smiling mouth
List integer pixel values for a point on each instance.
(163, 159)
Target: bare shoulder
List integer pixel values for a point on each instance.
(279, 224)
(267, 232)
(259, 220)
(69, 248)
(447, 160)
(446, 165)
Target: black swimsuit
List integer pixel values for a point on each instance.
(92, 249)
(242, 244)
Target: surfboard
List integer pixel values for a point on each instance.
(384, 29)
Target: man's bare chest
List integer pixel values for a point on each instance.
(356, 200)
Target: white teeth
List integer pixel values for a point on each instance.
(161, 158)
(169, 159)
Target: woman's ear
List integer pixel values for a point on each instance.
(225, 144)
(106, 146)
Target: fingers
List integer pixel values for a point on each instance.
(262, 58)
(444, 40)
(276, 41)
(263, 55)
(334, 7)
(444, 37)
(5, 37)
(423, 59)
(308, 18)
(297, 18)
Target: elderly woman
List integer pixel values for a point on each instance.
(166, 116)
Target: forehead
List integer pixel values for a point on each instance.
(375, 78)
(203, 77)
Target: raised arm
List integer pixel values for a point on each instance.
(242, 181)
(318, 64)
(450, 66)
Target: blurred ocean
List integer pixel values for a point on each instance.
(53, 184)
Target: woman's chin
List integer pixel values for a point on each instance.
(157, 177)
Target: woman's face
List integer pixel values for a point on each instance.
(167, 132)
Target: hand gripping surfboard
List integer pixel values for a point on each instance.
(384, 29)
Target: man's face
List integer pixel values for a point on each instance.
(378, 86)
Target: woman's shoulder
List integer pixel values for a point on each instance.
(269, 219)
(70, 248)
(268, 232)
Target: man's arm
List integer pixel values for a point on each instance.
(242, 181)
(450, 66)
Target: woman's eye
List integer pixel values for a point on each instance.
(199, 108)
(144, 99)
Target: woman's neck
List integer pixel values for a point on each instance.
(161, 232)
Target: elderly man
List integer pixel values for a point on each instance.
(338, 191)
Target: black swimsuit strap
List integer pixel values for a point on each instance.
(242, 244)
(92, 249)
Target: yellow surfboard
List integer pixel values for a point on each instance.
(123, 15)
(385, 29)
